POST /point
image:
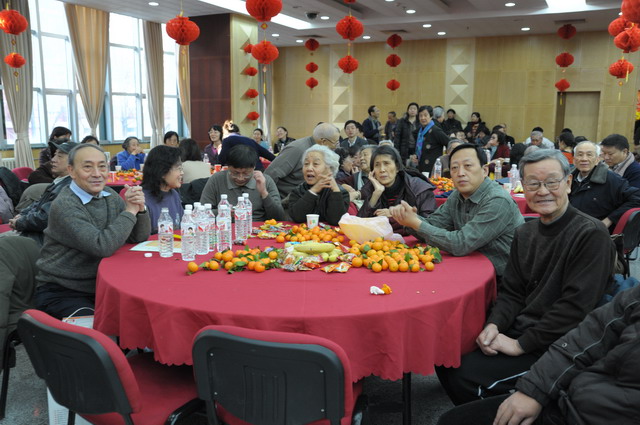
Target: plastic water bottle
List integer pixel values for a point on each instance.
(249, 206)
(240, 214)
(165, 233)
(498, 170)
(205, 158)
(202, 232)
(437, 169)
(224, 228)
(224, 201)
(211, 228)
(188, 230)
(513, 176)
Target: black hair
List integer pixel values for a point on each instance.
(371, 109)
(157, 164)
(497, 127)
(482, 156)
(427, 108)
(483, 128)
(477, 114)
(88, 139)
(59, 131)
(189, 150)
(566, 130)
(502, 139)
(353, 150)
(285, 130)
(170, 134)
(233, 128)
(359, 127)
(392, 113)
(451, 110)
(242, 156)
(517, 152)
(260, 130)
(617, 141)
(387, 150)
(413, 103)
(127, 142)
(217, 128)
(579, 139)
(568, 139)
(354, 122)
(343, 153)
(538, 129)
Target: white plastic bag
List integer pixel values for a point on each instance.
(367, 229)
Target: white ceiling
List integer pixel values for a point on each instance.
(458, 18)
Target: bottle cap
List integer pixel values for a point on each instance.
(148, 254)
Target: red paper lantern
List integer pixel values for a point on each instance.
(311, 83)
(263, 10)
(15, 60)
(393, 85)
(182, 30)
(349, 28)
(564, 60)
(631, 10)
(312, 44)
(247, 48)
(251, 71)
(252, 116)
(621, 68)
(12, 22)
(251, 93)
(628, 40)
(265, 52)
(348, 64)
(567, 31)
(618, 25)
(312, 67)
(562, 85)
(394, 41)
(393, 60)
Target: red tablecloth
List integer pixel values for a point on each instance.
(431, 317)
(518, 197)
(4, 228)
(121, 182)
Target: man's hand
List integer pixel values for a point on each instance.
(382, 212)
(134, 199)
(261, 184)
(519, 409)
(12, 221)
(486, 338)
(607, 223)
(505, 345)
(406, 215)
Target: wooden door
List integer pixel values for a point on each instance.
(579, 112)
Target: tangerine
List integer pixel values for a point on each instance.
(218, 256)
(251, 265)
(429, 266)
(192, 267)
(259, 268)
(227, 256)
(228, 265)
(273, 255)
(356, 262)
(403, 266)
(393, 267)
(376, 267)
(214, 265)
(415, 267)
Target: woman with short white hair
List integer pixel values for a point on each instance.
(319, 193)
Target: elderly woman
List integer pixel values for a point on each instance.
(192, 163)
(162, 176)
(389, 184)
(131, 156)
(320, 193)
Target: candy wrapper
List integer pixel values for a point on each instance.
(341, 267)
(385, 290)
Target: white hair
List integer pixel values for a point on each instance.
(331, 158)
(597, 146)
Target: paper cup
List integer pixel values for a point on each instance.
(507, 187)
(112, 176)
(312, 220)
(217, 167)
(118, 168)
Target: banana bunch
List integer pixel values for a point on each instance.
(518, 188)
(313, 248)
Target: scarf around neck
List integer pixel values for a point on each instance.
(420, 140)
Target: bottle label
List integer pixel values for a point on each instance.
(165, 227)
(189, 230)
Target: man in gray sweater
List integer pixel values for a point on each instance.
(87, 222)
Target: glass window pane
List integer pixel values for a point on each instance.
(83, 125)
(123, 70)
(58, 111)
(57, 58)
(125, 114)
(168, 43)
(123, 30)
(37, 67)
(170, 114)
(52, 17)
(35, 130)
(170, 71)
(143, 74)
(32, 11)
(147, 131)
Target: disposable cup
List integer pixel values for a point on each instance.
(217, 167)
(312, 220)
(112, 176)
(118, 167)
(507, 187)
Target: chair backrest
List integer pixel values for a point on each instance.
(271, 378)
(631, 231)
(84, 370)
(113, 162)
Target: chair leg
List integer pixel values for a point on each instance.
(8, 361)
(71, 419)
(406, 398)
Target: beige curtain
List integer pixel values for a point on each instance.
(18, 86)
(155, 79)
(89, 33)
(184, 84)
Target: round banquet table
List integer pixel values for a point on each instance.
(431, 318)
(517, 197)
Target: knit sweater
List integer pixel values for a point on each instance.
(555, 276)
(286, 169)
(79, 236)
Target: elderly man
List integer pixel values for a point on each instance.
(87, 222)
(286, 169)
(371, 126)
(558, 269)
(478, 216)
(615, 152)
(352, 140)
(598, 191)
(32, 221)
(538, 139)
(242, 177)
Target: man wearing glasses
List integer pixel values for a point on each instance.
(286, 169)
(242, 177)
(559, 267)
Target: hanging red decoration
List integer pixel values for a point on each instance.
(251, 93)
(247, 48)
(311, 83)
(252, 116)
(393, 85)
(621, 68)
(12, 22)
(311, 44)
(393, 60)
(348, 64)
(15, 60)
(182, 30)
(263, 10)
(311, 67)
(394, 41)
(349, 1)
(265, 52)
(567, 31)
(618, 25)
(349, 28)
(631, 10)
(628, 40)
(562, 85)
(251, 71)
(564, 59)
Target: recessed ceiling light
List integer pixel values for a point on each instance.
(573, 5)
(275, 35)
(366, 37)
(510, 4)
(154, 3)
(426, 25)
(442, 33)
(389, 1)
(411, 11)
(525, 29)
(299, 41)
(325, 18)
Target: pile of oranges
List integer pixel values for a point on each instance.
(243, 259)
(442, 183)
(133, 175)
(380, 254)
(301, 233)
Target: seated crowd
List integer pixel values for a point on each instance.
(546, 352)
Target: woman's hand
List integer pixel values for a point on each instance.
(377, 186)
(383, 212)
(414, 160)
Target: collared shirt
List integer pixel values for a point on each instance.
(622, 166)
(84, 196)
(484, 222)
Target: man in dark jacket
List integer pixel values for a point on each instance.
(615, 151)
(597, 191)
(371, 126)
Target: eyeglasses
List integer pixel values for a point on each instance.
(178, 169)
(238, 175)
(332, 142)
(534, 185)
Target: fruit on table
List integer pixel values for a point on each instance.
(443, 183)
(518, 188)
(314, 247)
